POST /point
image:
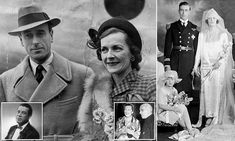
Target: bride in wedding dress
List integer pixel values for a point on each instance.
(214, 64)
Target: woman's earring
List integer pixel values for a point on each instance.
(132, 58)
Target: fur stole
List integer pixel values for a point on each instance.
(98, 88)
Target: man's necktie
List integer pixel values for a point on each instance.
(39, 75)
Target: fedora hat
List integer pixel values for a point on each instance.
(32, 16)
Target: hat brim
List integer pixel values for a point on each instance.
(54, 22)
(178, 80)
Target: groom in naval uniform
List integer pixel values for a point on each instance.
(180, 48)
(44, 75)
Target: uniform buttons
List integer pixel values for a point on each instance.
(188, 41)
(180, 37)
(188, 37)
(180, 41)
(189, 33)
(179, 32)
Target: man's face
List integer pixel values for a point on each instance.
(22, 115)
(184, 11)
(37, 43)
(144, 112)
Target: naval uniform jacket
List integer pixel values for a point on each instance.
(181, 61)
(61, 91)
(29, 132)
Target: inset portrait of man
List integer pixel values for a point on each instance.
(147, 124)
(21, 121)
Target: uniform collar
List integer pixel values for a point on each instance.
(184, 21)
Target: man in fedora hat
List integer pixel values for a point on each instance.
(43, 75)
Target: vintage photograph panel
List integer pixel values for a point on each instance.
(135, 120)
(22, 120)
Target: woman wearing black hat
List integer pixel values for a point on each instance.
(118, 45)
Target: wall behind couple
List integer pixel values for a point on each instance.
(70, 36)
(167, 12)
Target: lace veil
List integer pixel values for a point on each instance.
(220, 24)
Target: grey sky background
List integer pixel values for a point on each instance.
(70, 36)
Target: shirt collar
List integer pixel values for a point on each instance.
(45, 64)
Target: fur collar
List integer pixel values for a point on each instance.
(98, 88)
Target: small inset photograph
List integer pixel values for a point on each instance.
(21, 120)
(134, 120)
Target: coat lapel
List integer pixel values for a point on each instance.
(43, 93)
(57, 77)
(25, 131)
(11, 132)
(27, 88)
(25, 83)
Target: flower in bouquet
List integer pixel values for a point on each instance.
(100, 116)
(171, 98)
(182, 98)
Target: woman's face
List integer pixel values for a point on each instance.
(212, 21)
(128, 111)
(170, 82)
(115, 53)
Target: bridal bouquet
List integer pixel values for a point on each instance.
(181, 98)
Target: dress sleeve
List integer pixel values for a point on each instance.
(226, 47)
(198, 53)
